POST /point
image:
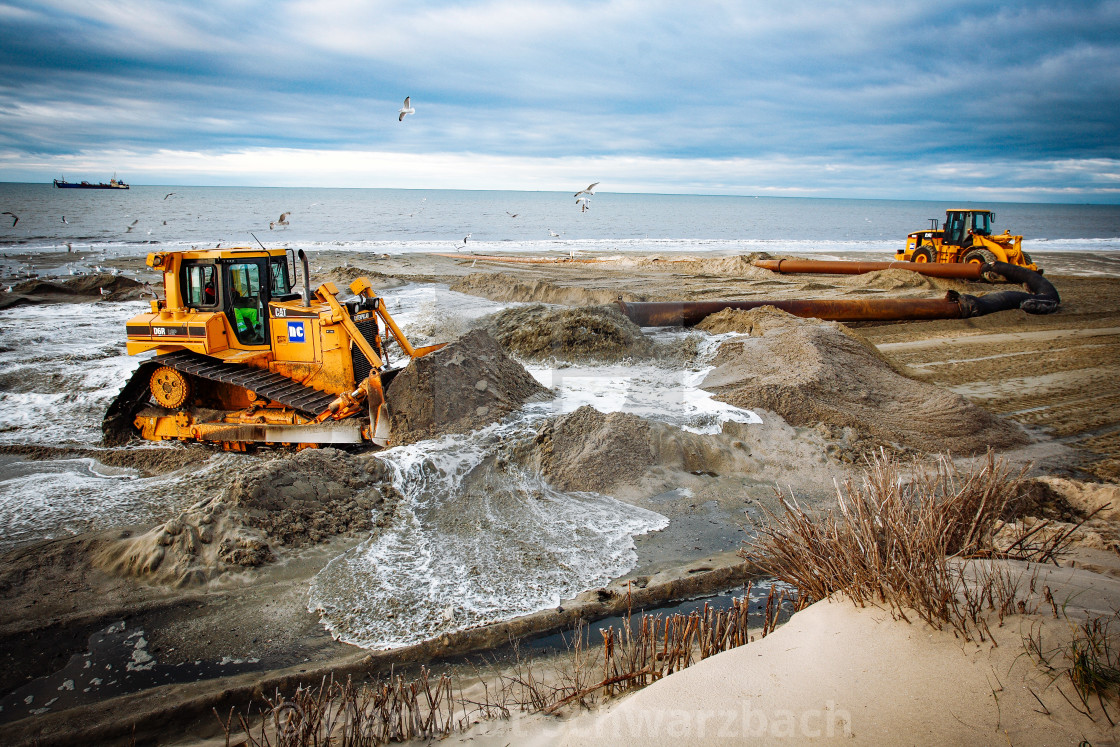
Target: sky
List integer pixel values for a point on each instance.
(895, 99)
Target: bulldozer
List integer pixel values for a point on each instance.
(241, 359)
(965, 236)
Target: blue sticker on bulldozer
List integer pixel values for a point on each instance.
(295, 332)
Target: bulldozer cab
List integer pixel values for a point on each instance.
(961, 225)
(239, 286)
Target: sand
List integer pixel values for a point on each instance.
(811, 372)
(1041, 390)
(839, 673)
(459, 388)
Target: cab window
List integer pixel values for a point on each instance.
(246, 303)
(201, 286)
(981, 223)
(279, 272)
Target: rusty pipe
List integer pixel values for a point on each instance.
(958, 270)
(689, 313)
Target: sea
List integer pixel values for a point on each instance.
(391, 221)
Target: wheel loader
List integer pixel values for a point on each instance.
(965, 236)
(241, 359)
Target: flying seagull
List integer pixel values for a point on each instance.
(168, 195)
(65, 221)
(15, 218)
(583, 203)
(283, 221)
(406, 109)
(589, 191)
(132, 226)
(512, 215)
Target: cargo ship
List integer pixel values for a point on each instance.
(113, 184)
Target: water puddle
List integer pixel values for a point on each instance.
(116, 661)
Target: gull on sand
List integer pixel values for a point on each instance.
(406, 109)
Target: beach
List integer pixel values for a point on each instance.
(686, 469)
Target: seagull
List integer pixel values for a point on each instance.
(69, 247)
(553, 234)
(168, 195)
(406, 109)
(104, 292)
(15, 218)
(589, 191)
(465, 239)
(283, 221)
(512, 215)
(583, 203)
(132, 226)
(65, 221)
(148, 289)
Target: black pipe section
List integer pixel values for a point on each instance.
(306, 279)
(1040, 298)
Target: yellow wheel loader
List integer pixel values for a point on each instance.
(965, 236)
(240, 359)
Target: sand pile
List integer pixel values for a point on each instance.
(896, 279)
(461, 387)
(500, 286)
(293, 501)
(811, 372)
(73, 290)
(573, 334)
(625, 455)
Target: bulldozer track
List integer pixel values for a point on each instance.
(117, 426)
(265, 383)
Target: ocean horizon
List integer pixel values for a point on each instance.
(394, 221)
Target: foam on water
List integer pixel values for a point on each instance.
(60, 367)
(476, 540)
(48, 499)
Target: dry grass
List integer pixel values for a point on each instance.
(1087, 664)
(639, 652)
(896, 538)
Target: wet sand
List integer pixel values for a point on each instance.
(1054, 378)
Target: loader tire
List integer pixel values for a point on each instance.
(921, 255)
(979, 257)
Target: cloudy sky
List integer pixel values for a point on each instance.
(905, 99)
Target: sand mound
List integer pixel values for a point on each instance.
(753, 322)
(627, 456)
(293, 501)
(586, 333)
(464, 386)
(811, 372)
(500, 286)
(73, 290)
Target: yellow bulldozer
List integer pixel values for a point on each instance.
(965, 236)
(241, 359)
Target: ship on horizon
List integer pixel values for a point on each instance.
(113, 184)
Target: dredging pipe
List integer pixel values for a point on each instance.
(957, 270)
(1041, 298)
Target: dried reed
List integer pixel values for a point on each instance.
(639, 652)
(895, 540)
